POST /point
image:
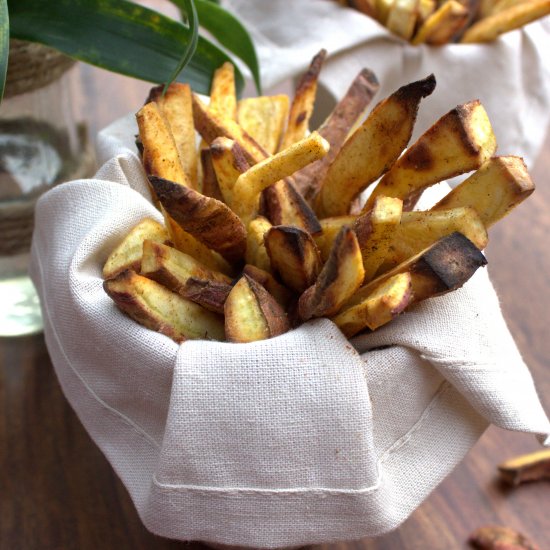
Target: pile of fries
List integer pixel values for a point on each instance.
(263, 227)
(439, 22)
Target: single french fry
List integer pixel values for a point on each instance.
(256, 253)
(419, 230)
(276, 289)
(252, 314)
(376, 231)
(185, 276)
(335, 130)
(486, 7)
(210, 186)
(281, 204)
(534, 466)
(210, 221)
(211, 125)
(264, 119)
(301, 108)
(491, 27)
(177, 107)
(330, 227)
(497, 187)
(294, 256)
(372, 149)
(458, 142)
(444, 266)
(223, 96)
(127, 255)
(339, 279)
(160, 152)
(402, 18)
(502, 5)
(383, 304)
(383, 10)
(229, 162)
(248, 187)
(157, 308)
(443, 24)
(425, 10)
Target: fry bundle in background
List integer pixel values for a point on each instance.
(267, 232)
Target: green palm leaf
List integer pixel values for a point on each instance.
(119, 36)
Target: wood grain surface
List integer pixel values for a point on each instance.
(57, 491)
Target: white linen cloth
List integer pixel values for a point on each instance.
(510, 76)
(305, 438)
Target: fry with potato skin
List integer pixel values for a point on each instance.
(210, 186)
(382, 305)
(159, 309)
(223, 94)
(252, 314)
(528, 467)
(294, 255)
(276, 289)
(330, 227)
(496, 188)
(185, 276)
(336, 129)
(256, 253)
(339, 279)
(443, 24)
(210, 221)
(127, 255)
(458, 142)
(372, 149)
(301, 108)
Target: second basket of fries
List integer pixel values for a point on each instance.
(267, 357)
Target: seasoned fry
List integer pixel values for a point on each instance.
(210, 186)
(127, 255)
(372, 149)
(302, 104)
(160, 152)
(210, 221)
(250, 184)
(402, 18)
(419, 230)
(496, 537)
(256, 253)
(376, 231)
(157, 308)
(528, 467)
(283, 205)
(264, 119)
(335, 130)
(177, 107)
(252, 314)
(497, 187)
(383, 10)
(458, 142)
(425, 10)
(384, 303)
(223, 97)
(503, 21)
(443, 24)
(185, 276)
(276, 289)
(330, 227)
(294, 256)
(339, 279)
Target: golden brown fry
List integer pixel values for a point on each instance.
(339, 279)
(384, 303)
(256, 253)
(528, 467)
(252, 314)
(376, 231)
(402, 18)
(425, 9)
(491, 27)
(283, 205)
(364, 6)
(160, 152)
(127, 255)
(294, 255)
(264, 119)
(330, 227)
(276, 289)
(159, 309)
(496, 537)
(444, 266)
(496, 188)
(372, 149)
(419, 230)
(458, 142)
(443, 24)
(210, 221)
(247, 189)
(302, 104)
(210, 186)
(502, 5)
(177, 106)
(185, 276)
(383, 10)
(223, 96)
(336, 129)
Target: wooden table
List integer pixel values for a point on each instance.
(57, 490)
